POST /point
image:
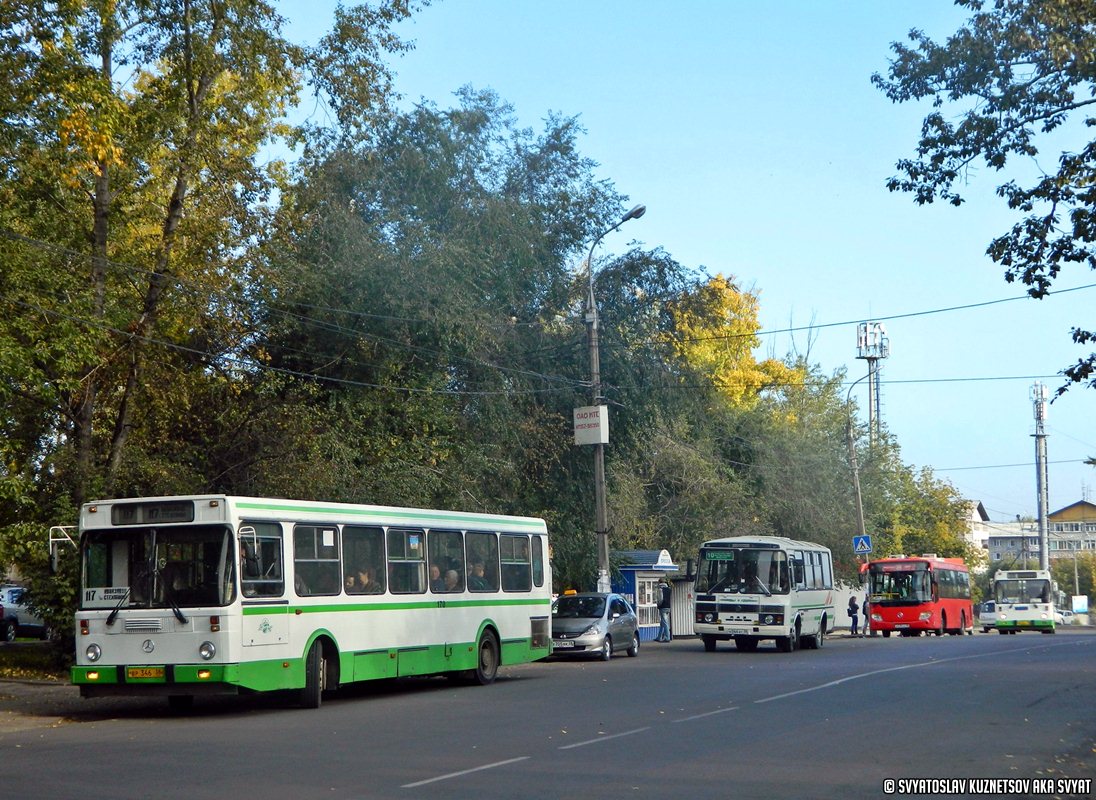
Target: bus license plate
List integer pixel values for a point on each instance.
(560, 644)
(1024, 622)
(737, 631)
(138, 673)
(901, 625)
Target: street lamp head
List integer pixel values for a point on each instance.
(635, 213)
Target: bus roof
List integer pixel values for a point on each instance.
(928, 558)
(771, 542)
(320, 511)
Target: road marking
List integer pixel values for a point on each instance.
(604, 738)
(707, 714)
(464, 772)
(935, 661)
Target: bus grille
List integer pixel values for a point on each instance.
(144, 625)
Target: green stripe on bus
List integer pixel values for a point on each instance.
(435, 605)
(397, 514)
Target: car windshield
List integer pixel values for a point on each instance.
(575, 606)
(150, 567)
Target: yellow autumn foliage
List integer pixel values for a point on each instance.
(716, 334)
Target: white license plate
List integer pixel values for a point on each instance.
(559, 644)
(739, 631)
(902, 625)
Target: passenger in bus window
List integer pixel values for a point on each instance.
(350, 584)
(436, 583)
(452, 581)
(367, 584)
(476, 579)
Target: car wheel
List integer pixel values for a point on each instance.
(607, 649)
(9, 631)
(633, 651)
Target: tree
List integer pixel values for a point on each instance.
(133, 193)
(1018, 74)
(715, 332)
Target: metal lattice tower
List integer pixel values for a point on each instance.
(873, 345)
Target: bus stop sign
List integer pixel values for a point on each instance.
(861, 544)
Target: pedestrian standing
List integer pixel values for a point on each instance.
(664, 603)
(854, 615)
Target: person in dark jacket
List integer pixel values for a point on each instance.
(854, 615)
(664, 602)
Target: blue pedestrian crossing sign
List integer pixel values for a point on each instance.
(861, 544)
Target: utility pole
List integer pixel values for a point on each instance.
(1039, 398)
(600, 412)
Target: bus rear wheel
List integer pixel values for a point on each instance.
(487, 660)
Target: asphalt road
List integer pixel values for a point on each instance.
(674, 722)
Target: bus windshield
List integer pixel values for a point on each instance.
(176, 567)
(742, 570)
(900, 583)
(1031, 590)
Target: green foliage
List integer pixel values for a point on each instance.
(396, 321)
(1076, 574)
(1016, 78)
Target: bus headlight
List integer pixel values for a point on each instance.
(925, 616)
(207, 650)
(767, 619)
(94, 652)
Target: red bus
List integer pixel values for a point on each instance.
(912, 594)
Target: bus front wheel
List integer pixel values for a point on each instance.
(312, 693)
(709, 643)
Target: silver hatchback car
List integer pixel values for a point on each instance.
(594, 624)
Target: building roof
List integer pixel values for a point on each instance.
(1081, 510)
(646, 559)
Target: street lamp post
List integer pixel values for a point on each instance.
(601, 524)
(855, 467)
(860, 531)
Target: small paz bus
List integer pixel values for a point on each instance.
(752, 588)
(920, 594)
(208, 594)
(1024, 600)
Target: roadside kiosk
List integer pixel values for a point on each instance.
(640, 571)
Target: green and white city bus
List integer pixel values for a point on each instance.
(1024, 600)
(750, 588)
(208, 594)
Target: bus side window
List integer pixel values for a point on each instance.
(261, 559)
(515, 563)
(798, 572)
(406, 561)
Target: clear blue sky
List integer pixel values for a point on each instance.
(753, 135)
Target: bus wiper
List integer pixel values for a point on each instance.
(114, 613)
(764, 588)
(169, 595)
